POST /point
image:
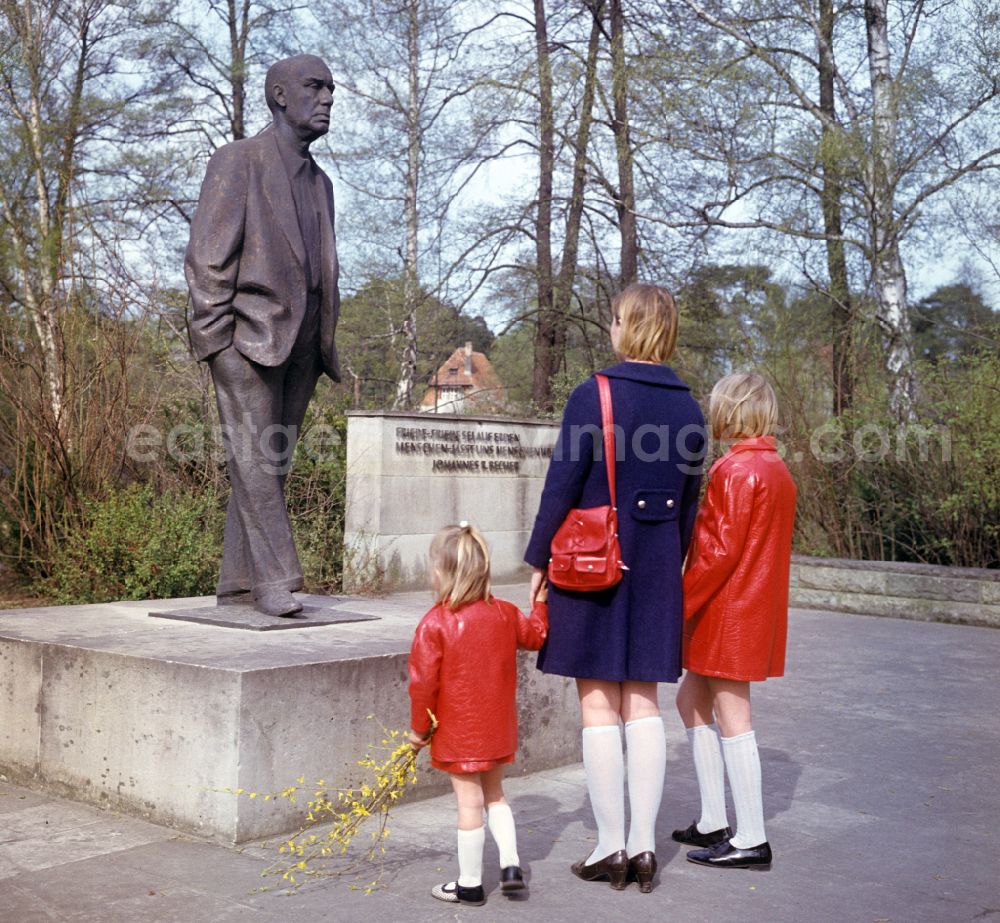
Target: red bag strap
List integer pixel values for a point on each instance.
(608, 427)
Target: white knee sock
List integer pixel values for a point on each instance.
(743, 767)
(711, 773)
(501, 821)
(605, 768)
(470, 857)
(646, 744)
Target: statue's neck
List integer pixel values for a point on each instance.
(290, 139)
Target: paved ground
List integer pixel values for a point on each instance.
(880, 752)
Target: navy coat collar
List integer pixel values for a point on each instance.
(649, 374)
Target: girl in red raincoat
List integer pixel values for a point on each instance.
(735, 618)
(463, 670)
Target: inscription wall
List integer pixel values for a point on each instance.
(410, 474)
(486, 451)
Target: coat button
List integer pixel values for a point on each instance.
(641, 504)
(670, 504)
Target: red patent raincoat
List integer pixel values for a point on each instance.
(463, 667)
(736, 583)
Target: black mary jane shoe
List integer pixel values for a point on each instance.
(454, 893)
(642, 868)
(726, 856)
(694, 837)
(511, 879)
(613, 867)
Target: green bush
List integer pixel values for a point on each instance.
(135, 544)
(931, 495)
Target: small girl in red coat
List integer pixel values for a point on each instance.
(735, 618)
(463, 669)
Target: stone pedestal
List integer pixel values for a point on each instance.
(157, 717)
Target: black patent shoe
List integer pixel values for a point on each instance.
(642, 868)
(454, 893)
(726, 856)
(613, 867)
(694, 837)
(511, 879)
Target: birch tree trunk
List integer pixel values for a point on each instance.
(625, 204)
(39, 249)
(831, 153)
(411, 293)
(239, 32)
(889, 276)
(571, 243)
(547, 329)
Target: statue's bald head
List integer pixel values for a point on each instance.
(281, 71)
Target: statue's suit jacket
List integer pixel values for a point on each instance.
(245, 258)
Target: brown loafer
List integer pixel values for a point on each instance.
(613, 867)
(642, 868)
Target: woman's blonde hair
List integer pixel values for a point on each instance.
(742, 406)
(461, 558)
(648, 317)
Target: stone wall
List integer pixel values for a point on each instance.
(410, 474)
(925, 592)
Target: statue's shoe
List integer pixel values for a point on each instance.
(235, 598)
(276, 602)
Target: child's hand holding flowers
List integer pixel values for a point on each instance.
(419, 741)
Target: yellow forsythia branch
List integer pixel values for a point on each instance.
(345, 811)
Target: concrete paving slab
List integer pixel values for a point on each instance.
(880, 752)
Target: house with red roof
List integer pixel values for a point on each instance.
(465, 383)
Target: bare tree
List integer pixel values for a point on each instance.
(69, 319)
(408, 76)
(886, 152)
(62, 81)
(625, 197)
(215, 53)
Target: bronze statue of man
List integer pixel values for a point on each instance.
(262, 269)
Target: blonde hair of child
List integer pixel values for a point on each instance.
(460, 556)
(648, 317)
(742, 406)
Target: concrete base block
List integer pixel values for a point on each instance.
(158, 718)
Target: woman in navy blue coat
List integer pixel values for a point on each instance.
(619, 643)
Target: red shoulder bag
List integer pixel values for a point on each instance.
(585, 554)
